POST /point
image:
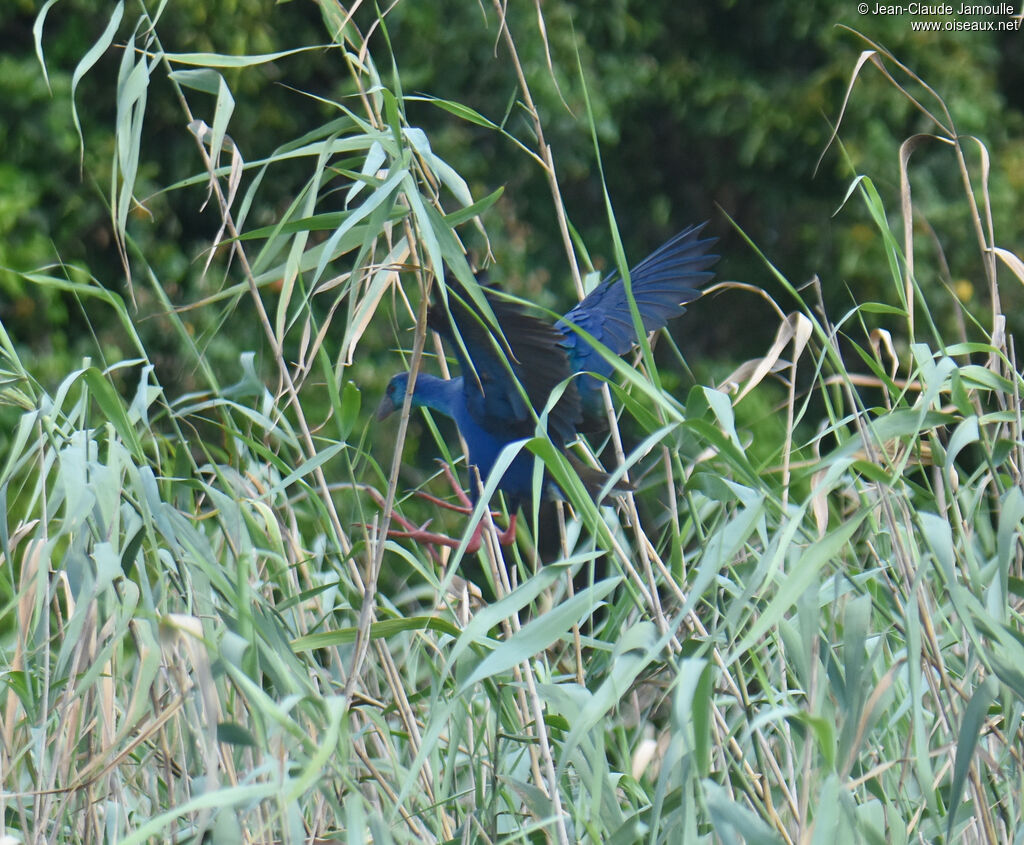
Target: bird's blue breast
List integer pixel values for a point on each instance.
(485, 447)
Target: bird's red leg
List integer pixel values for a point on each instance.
(420, 534)
(441, 503)
(460, 494)
(465, 503)
(508, 536)
(432, 538)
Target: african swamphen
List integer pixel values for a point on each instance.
(487, 405)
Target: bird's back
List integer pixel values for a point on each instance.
(509, 366)
(512, 361)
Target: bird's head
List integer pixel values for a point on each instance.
(394, 395)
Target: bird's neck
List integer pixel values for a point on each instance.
(438, 394)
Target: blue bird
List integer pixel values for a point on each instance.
(491, 410)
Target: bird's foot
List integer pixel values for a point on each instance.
(508, 536)
(451, 506)
(465, 505)
(408, 530)
(432, 538)
(460, 494)
(421, 535)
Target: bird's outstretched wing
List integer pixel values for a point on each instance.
(662, 284)
(526, 349)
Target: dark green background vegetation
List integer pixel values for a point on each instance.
(698, 107)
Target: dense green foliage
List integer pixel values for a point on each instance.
(695, 108)
(806, 625)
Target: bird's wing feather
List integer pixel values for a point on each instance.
(527, 349)
(662, 283)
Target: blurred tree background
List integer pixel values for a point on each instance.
(699, 109)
